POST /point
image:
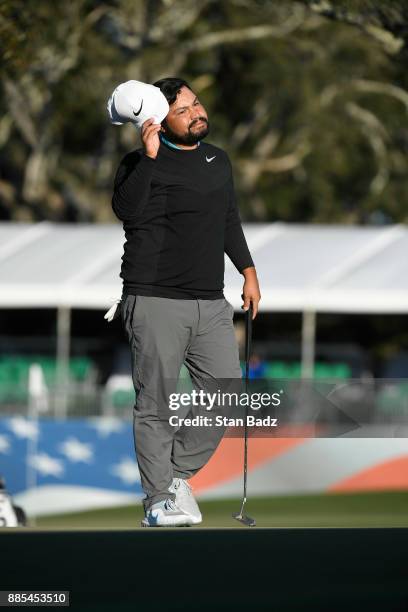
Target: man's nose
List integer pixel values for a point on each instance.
(195, 114)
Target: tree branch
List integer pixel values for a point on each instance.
(372, 22)
(375, 133)
(213, 39)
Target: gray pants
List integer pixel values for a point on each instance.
(164, 333)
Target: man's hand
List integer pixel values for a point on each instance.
(150, 137)
(250, 292)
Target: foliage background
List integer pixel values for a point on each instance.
(309, 99)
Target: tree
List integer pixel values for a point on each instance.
(312, 113)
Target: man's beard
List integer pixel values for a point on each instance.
(190, 138)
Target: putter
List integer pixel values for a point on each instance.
(240, 516)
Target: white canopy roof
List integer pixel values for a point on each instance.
(323, 268)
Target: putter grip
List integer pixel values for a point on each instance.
(248, 336)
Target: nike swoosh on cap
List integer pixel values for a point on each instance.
(209, 159)
(139, 111)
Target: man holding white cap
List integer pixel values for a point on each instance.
(175, 196)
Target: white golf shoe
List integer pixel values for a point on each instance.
(185, 499)
(166, 513)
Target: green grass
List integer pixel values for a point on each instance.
(385, 509)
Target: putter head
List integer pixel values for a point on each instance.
(243, 518)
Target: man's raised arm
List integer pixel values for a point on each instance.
(132, 185)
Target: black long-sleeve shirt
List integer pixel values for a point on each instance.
(179, 215)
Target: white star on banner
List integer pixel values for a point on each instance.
(75, 450)
(4, 444)
(106, 425)
(23, 428)
(47, 465)
(126, 470)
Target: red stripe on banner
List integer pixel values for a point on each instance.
(391, 474)
(227, 461)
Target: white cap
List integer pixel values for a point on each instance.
(136, 102)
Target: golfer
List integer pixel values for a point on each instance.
(175, 196)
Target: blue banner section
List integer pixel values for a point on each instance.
(93, 452)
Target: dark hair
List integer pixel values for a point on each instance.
(170, 86)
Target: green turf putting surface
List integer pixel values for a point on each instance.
(388, 509)
(316, 570)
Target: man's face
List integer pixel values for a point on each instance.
(187, 121)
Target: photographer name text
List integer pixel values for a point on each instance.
(222, 421)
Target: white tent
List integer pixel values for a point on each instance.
(303, 268)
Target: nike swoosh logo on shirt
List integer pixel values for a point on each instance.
(209, 159)
(139, 111)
